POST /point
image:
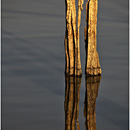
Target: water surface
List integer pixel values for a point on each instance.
(33, 63)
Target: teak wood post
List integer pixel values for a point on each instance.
(92, 58)
(72, 49)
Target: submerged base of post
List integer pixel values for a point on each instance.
(73, 75)
(93, 72)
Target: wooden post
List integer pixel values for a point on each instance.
(92, 58)
(72, 49)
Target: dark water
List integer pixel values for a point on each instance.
(33, 62)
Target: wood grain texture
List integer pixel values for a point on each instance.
(72, 49)
(92, 58)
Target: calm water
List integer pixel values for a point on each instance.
(33, 62)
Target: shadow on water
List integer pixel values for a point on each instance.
(71, 104)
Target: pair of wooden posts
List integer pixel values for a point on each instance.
(72, 49)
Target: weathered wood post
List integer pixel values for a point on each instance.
(92, 87)
(72, 49)
(92, 58)
(71, 104)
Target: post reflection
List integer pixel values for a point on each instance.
(92, 87)
(71, 106)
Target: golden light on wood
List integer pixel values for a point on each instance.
(72, 49)
(72, 45)
(92, 58)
